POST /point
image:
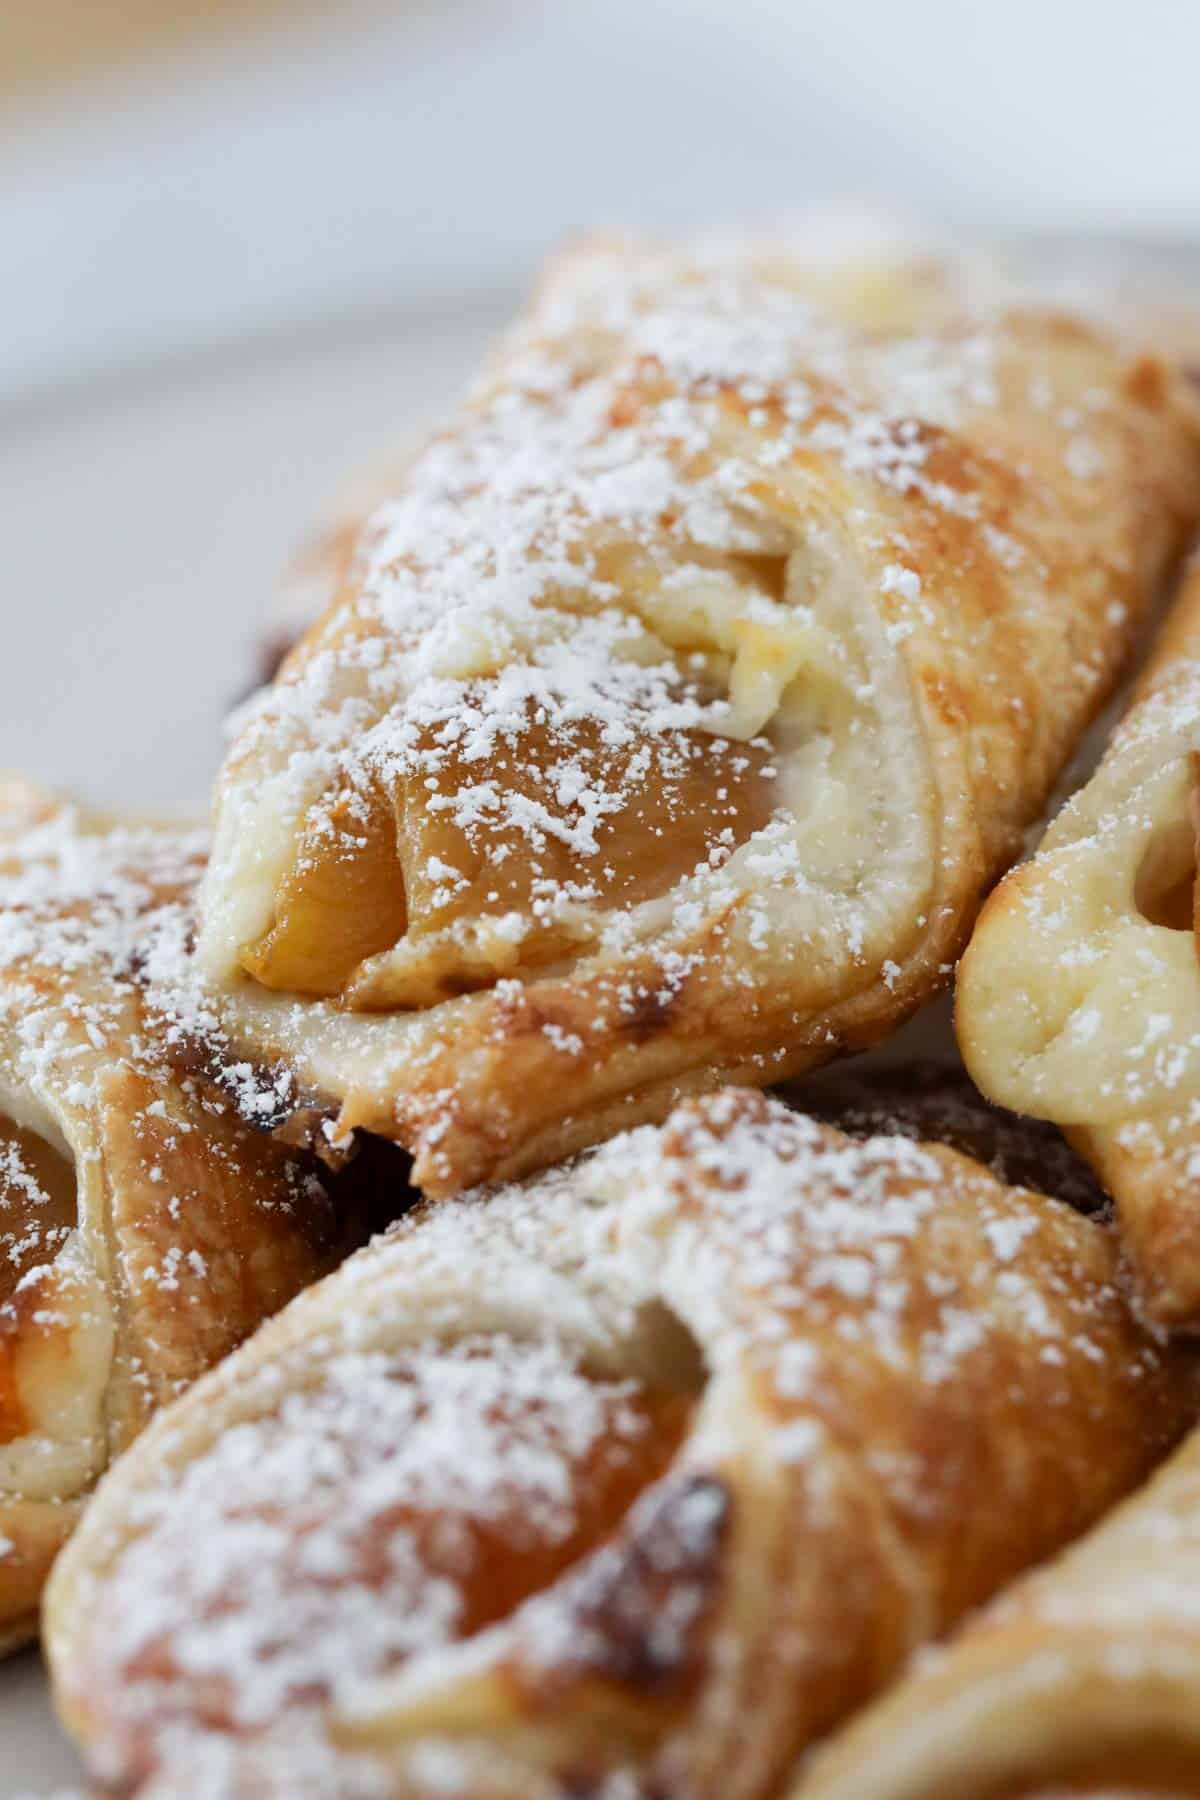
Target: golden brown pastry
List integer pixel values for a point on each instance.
(1079, 997)
(316, 575)
(1082, 1681)
(144, 1229)
(684, 698)
(631, 1481)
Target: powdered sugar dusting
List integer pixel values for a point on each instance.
(37, 1211)
(860, 1209)
(143, 1228)
(936, 1101)
(588, 614)
(364, 1520)
(96, 923)
(77, 908)
(382, 1514)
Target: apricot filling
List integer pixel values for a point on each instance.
(341, 902)
(1164, 889)
(37, 1204)
(493, 835)
(409, 1501)
(38, 1211)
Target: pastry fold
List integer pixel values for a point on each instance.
(1082, 1681)
(145, 1230)
(1079, 997)
(634, 1479)
(683, 699)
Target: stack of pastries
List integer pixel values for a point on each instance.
(656, 732)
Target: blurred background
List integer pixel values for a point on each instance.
(244, 243)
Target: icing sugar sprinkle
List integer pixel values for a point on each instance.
(354, 1529)
(84, 904)
(357, 1518)
(96, 926)
(551, 619)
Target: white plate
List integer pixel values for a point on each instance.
(146, 522)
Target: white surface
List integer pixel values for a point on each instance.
(145, 526)
(402, 150)
(409, 148)
(36, 1759)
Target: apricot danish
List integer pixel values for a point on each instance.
(633, 1480)
(144, 1228)
(678, 707)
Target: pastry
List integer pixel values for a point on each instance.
(144, 1228)
(683, 699)
(1079, 997)
(1079, 1684)
(632, 1480)
(316, 575)
(933, 1099)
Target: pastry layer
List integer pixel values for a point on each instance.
(683, 696)
(635, 1479)
(1079, 997)
(145, 1229)
(1080, 1681)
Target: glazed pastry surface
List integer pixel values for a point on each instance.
(682, 697)
(634, 1479)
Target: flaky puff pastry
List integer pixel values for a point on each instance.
(144, 1228)
(1081, 1681)
(630, 1481)
(680, 704)
(1079, 997)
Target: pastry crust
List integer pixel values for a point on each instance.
(635, 1479)
(145, 1229)
(681, 703)
(1081, 1681)
(326, 563)
(1079, 997)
